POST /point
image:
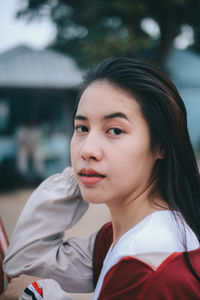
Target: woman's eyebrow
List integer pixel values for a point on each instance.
(80, 117)
(117, 115)
(110, 116)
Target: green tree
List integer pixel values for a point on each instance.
(93, 29)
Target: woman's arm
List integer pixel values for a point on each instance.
(37, 246)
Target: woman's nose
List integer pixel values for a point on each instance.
(91, 148)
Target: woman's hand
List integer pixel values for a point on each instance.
(16, 287)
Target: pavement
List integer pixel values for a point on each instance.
(11, 205)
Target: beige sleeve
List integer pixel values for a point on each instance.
(37, 247)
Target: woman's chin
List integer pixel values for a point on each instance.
(92, 197)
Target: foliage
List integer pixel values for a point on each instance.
(93, 29)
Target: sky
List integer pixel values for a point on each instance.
(38, 34)
(14, 32)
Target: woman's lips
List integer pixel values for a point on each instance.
(90, 176)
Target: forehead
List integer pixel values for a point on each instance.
(101, 98)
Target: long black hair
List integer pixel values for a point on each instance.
(178, 178)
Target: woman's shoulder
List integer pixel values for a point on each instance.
(173, 279)
(161, 231)
(153, 239)
(131, 278)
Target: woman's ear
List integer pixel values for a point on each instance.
(161, 153)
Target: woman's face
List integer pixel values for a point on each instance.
(110, 147)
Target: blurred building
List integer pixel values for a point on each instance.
(36, 86)
(184, 68)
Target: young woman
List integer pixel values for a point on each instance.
(130, 150)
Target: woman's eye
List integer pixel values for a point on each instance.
(81, 129)
(115, 131)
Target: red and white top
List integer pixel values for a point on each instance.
(140, 255)
(148, 261)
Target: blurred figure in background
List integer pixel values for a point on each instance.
(4, 115)
(28, 138)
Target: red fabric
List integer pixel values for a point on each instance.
(102, 244)
(37, 288)
(125, 280)
(3, 248)
(3, 240)
(174, 280)
(132, 279)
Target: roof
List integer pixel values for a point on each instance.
(29, 68)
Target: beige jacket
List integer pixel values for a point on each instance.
(37, 247)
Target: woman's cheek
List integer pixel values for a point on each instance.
(72, 149)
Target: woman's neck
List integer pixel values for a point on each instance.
(126, 215)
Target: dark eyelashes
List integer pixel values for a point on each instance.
(117, 131)
(114, 131)
(84, 128)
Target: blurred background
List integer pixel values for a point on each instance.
(45, 48)
(46, 45)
